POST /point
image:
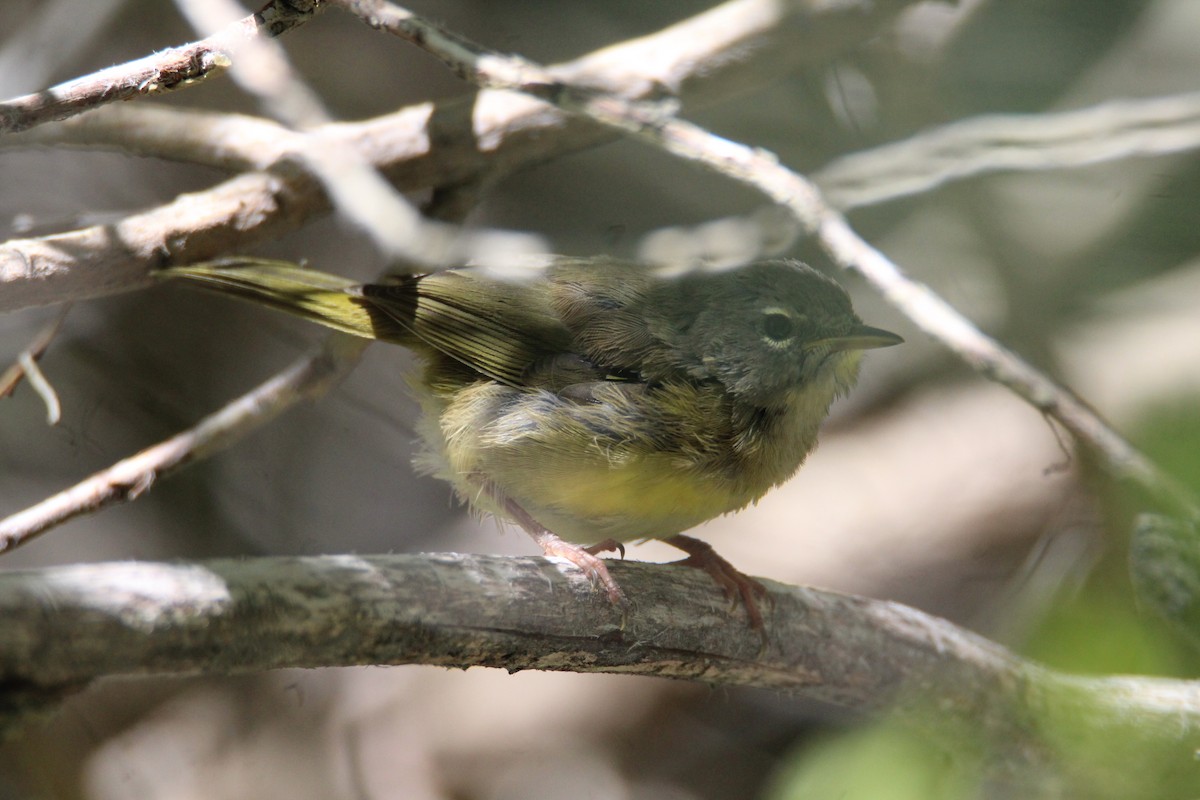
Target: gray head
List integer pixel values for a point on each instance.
(769, 328)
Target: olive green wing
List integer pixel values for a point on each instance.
(620, 315)
(581, 320)
(502, 329)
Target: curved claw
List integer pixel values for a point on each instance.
(605, 546)
(734, 584)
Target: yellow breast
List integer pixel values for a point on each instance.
(631, 466)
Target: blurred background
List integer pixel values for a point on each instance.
(931, 486)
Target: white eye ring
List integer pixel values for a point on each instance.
(778, 326)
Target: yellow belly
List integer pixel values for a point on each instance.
(647, 497)
(590, 471)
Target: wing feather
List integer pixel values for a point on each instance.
(499, 328)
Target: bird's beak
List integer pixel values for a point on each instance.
(863, 337)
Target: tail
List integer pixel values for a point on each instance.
(332, 301)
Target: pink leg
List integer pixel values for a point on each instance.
(583, 557)
(732, 582)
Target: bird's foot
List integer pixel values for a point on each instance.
(584, 558)
(735, 584)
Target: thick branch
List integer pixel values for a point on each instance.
(65, 626)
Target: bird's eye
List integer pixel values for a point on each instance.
(778, 327)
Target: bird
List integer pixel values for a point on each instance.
(596, 401)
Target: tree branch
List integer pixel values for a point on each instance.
(1110, 131)
(356, 189)
(219, 139)
(162, 72)
(11, 377)
(116, 257)
(428, 145)
(223, 617)
(129, 478)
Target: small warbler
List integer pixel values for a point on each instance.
(600, 402)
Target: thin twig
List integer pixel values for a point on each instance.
(995, 143)
(655, 123)
(11, 377)
(42, 386)
(1110, 131)
(706, 57)
(122, 255)
(357, 190)
(128, 479)
(162, 72)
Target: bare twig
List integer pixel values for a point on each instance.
(356, 189)
(656, 124)
(706, 58)
(162, 72)
(995, 143)
(223, 617)
(128, 479)
(219, 139)
(11, 377)
(39, 383)
(958, 151)
(722, 50)
(260, 67)
(121, 256)
(1109, 131)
